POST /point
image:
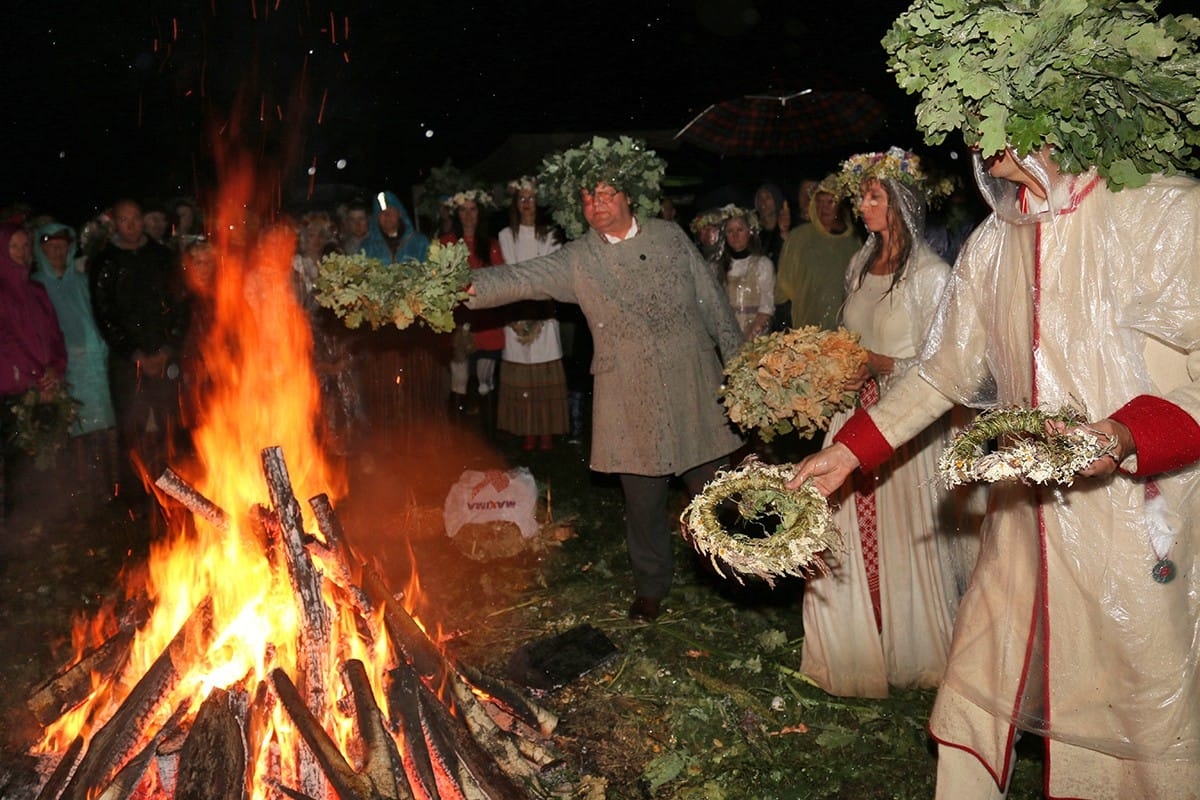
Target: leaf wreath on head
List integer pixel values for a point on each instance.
(1106, 83)
(624, 164)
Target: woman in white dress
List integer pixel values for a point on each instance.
(884, 615)
(748, 274)
(533, 383)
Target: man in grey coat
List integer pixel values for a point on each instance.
(661, 327)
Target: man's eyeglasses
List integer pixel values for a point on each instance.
(605, 196)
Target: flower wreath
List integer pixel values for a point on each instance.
(804, 531)
(791, 380)
(895, 164)
(712, 218)
(624, 164)
(1035, 454)
(732, 210)
(525, 183)
(481, 197)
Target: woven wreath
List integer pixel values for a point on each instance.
(1027, 450)
(791, 380)
(805, 529)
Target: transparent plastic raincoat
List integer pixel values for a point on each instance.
(1093, 301)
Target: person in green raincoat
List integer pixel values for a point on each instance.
(93, 436)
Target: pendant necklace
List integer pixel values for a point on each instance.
(1164, 568)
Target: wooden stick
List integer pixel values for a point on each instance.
(114, 742)
(348, 784)
(473, 761)
(58, 779)
(337, 553)
(404, 704)
(176, 487)
(213, 761)
(315, 618)
(382, 766)
(74, 685)
(127, 779)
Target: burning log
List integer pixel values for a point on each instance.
(62, 773)
(306, 582)
(349, 784)
(127, 779)
(337, 553)
(471, 765)
(72, 686)
(404, 700)
(113, 744)
(213, 760)
(382, 765)
(176, 487)
(433, 665)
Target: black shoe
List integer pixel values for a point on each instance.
(645, 609)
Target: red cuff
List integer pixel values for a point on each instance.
(864, 440)
(1167, 437)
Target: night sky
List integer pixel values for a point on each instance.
(111, 99)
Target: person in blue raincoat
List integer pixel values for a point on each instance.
(94, 450)
(391, 237)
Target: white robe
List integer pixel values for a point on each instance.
(1063, 631)
(923, 557)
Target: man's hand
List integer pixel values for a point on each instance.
(828, 469)
(48, 385)
(1107, 431)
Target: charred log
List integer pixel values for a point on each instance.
(348, 784)
(213, 760)
(115, 742)
(126, 781)
(404, 700)
(58, 779)
(72, 686)
(306, 583)
(175, 486)
(382, 765)
(471, 765)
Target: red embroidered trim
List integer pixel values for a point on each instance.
(864, 440)
(1167, 437)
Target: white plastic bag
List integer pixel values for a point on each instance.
(493, 496)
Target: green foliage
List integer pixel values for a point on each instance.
(624, 164)
(360, 289)
(41, 425)
(1107, 83)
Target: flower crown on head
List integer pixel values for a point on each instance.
(624, 164)
(711, 218)
(717, 217)
(481, 197)
(731, 210)
(525, 183)
(895, 164)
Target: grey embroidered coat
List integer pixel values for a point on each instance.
(660, 325)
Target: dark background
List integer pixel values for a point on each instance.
(108, 99)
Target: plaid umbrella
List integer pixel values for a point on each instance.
(781, 125)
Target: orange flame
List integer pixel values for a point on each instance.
(258, 389)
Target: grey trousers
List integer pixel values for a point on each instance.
(647, 530)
